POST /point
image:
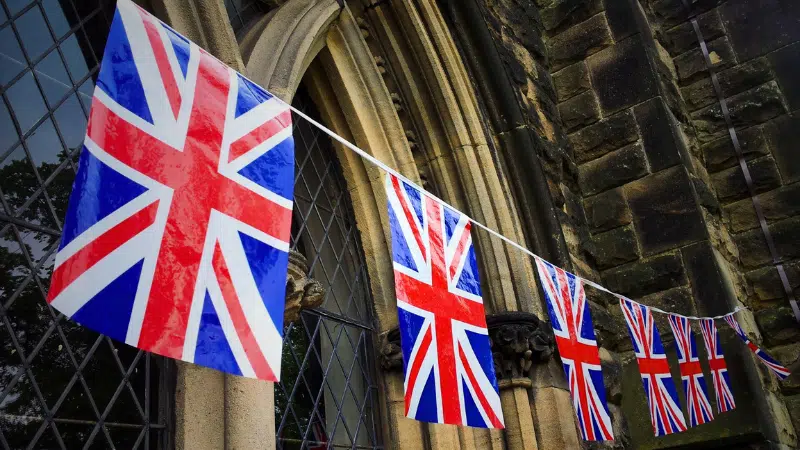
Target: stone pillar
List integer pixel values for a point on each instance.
(519, 341)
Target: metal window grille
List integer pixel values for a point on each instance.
(326, 397)
(241, 12)
(61, 385)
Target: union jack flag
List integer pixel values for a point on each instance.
(719, 370)
(773, 365)
(665, 410)
(572, 326)
(449, 373)
(176, 235)
(694, 384)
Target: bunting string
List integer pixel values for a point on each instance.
(383, 166)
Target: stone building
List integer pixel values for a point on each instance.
(589, 130)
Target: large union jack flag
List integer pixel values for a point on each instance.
(577, 347)
(694, 384)
(176, 235)
(665, 409)
(719, 370)
(449, 373)
(774, 366)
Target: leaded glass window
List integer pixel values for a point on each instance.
(61, 385)
(326, 398)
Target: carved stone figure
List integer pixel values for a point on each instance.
(301, 291)
(518, 339)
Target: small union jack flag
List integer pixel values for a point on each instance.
(719, 370)
(448, 366)
(665, 410)
(694, 384)
(176, 235)
(572, 326)
(773, 365)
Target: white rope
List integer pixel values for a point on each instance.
(494, 233)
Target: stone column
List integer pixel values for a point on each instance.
(519, 341)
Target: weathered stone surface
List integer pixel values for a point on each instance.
(660, 134)
(705, 196)
(749, 108)
(612, 170)
(786, 64)
(757, 27)
(766, 282)
(793, 405)
(611, 329)
(682, 38)
(677, 299)
(730, 185)
(518, 340)
(579, 111)
(776, 204)
(646, 276)
(579, 41)
(607, 210)
(614, 247)
(571, 80)
(692, 65)
(706, 278)
(600, 138)
(753, 250)
(732, 81)
(622, 16)
(783, 135)
(622, 75)
(664, 210)
(573, 206)
(562, 12)
(778, 326)
(719, 154)
(612, 375)
(668, 13)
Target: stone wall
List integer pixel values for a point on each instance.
(651, 201)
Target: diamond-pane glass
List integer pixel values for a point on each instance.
(326, 398)
(61, 385)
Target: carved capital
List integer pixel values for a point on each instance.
(518, 340)
(301, 291)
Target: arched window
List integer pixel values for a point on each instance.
(61, 385)
(327, 390)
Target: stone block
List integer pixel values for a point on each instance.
(575, 43)
(730, 185)
(611, 365)
(646, 276)
(622, 75)
(778, 326)
(691, 65)
(614, 248)
(612, 333)
(758, 27)
(793, 405)
(753, 251)
(622, 17)
(662, 140)
(607, 210)
(579, 111)
(669, 13)
(682, 38)
(600, 138)
(732, 81)
(748, 108)
(677, 299)
(571, 80)
(563, 13)
(719, 154)
(777, 204)
(766, 282)
(612, 170)
(786, 64)
(783, 135)
(709, 285)
(665, 213)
